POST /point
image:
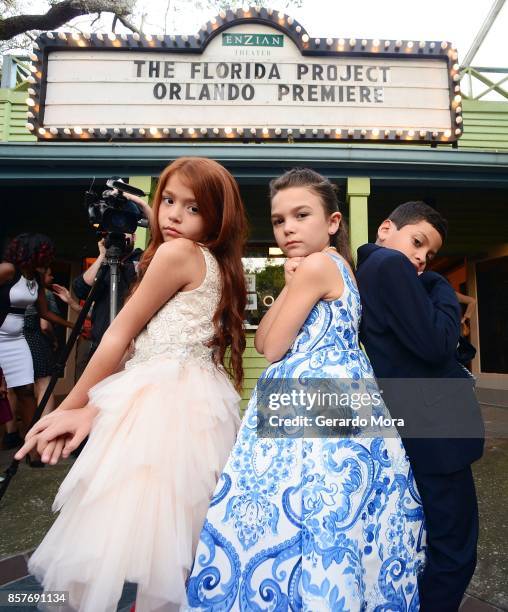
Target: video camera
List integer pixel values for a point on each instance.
(112, 212)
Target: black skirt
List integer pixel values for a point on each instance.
(40, 347)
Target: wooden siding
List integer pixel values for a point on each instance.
(13, 111)
(485, 125)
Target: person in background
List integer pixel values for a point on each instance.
(21, 286)
(83, 283)
(41, 337)
(465, 321)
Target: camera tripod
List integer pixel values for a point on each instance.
(115, 249)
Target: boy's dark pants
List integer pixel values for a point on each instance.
(451, 516)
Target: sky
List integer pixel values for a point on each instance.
(457, 21)
(452, 20)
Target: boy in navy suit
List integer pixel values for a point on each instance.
(410, 329)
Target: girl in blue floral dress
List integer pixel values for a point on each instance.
(300, 523)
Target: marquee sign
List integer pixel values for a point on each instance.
(249, 75)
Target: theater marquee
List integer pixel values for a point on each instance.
(247, 75)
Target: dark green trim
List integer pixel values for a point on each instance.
(255, 163)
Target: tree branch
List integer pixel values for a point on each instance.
(61, 13)
(128, 24)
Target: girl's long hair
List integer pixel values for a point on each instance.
(220, 204)
(327, 193)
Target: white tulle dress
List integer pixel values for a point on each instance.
(134, 502)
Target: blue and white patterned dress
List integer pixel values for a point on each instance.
(313, 524)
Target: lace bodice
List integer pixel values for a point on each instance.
(183, 326)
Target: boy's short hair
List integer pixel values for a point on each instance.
(410, 213)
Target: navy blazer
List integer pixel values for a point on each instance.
(410, 328)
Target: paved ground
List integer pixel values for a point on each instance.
(25, 516)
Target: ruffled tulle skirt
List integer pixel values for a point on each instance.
(134, 502)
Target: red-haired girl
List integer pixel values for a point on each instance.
(133, 504)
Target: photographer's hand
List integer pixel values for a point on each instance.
(90, 274)
(145, 208)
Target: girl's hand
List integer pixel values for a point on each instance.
(58, 433)
(290, 266)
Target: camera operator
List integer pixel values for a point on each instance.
(81, 286)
